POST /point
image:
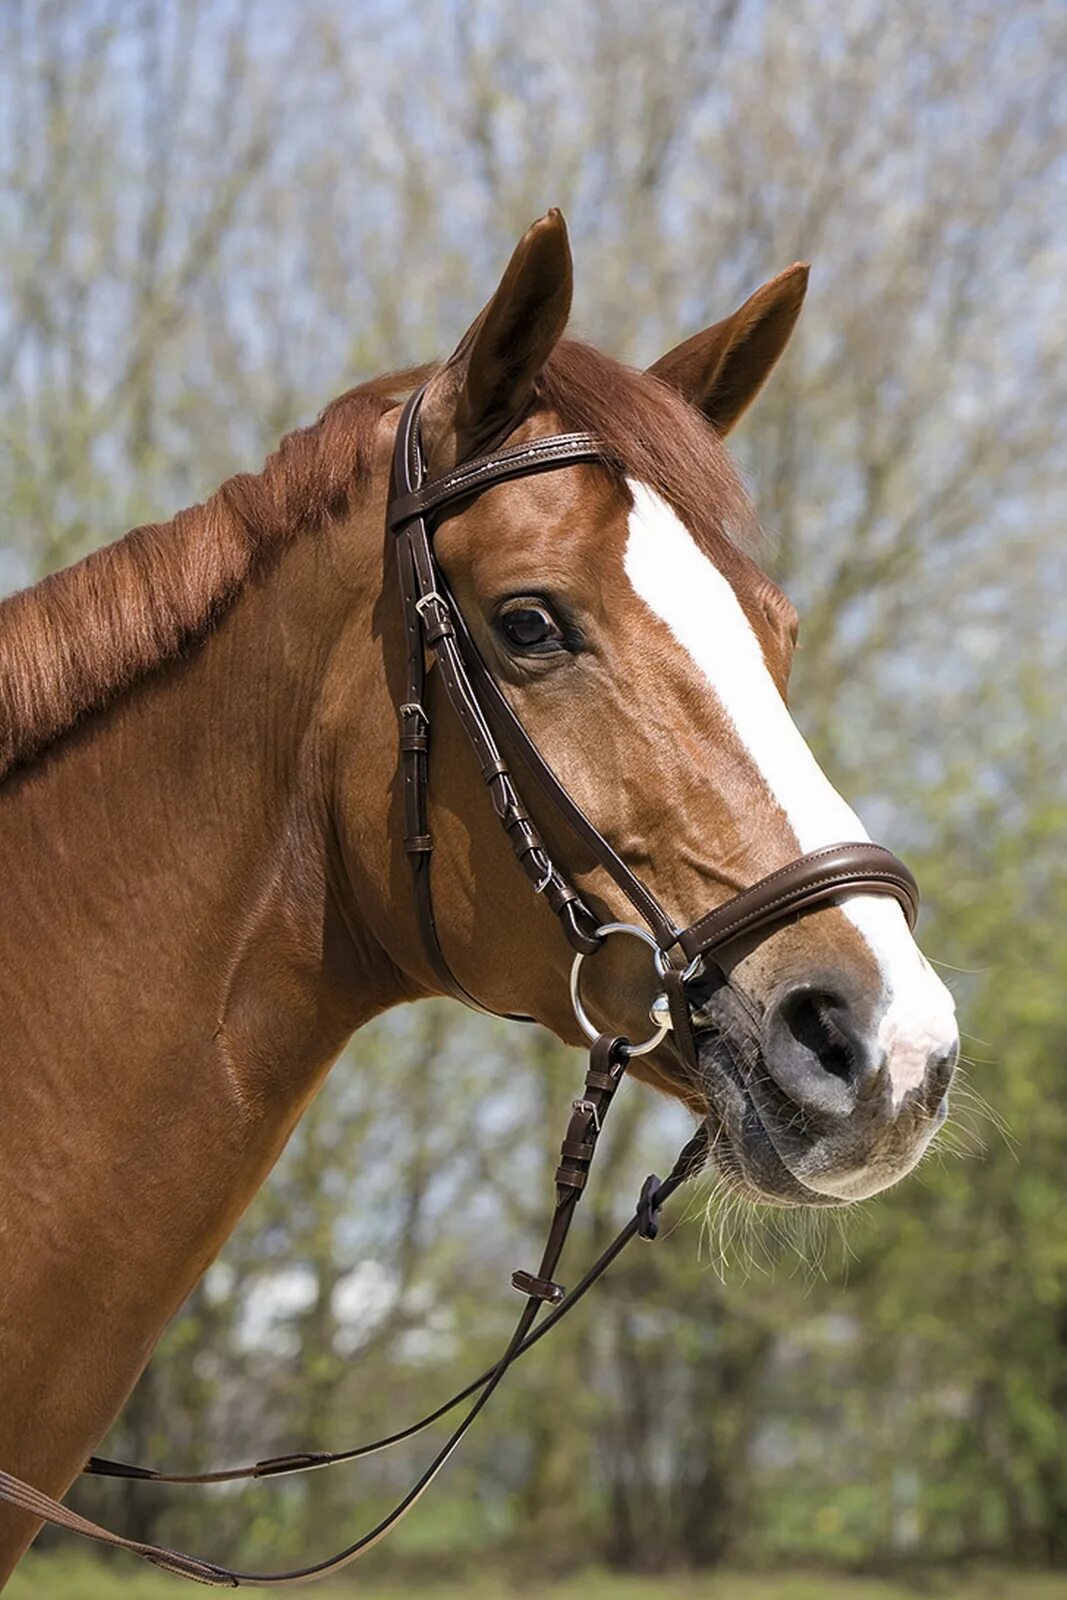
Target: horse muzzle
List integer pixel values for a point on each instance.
(819, 1098)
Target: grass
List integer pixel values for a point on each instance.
(61, 1577)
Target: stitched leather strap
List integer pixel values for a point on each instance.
(540, 455)
(511, 732)
(811, 880)
(433, 618)
(690, 1161)
(430, 620)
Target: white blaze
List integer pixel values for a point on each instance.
(685, 589)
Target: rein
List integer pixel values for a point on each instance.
(433, 621)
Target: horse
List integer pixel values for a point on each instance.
(207, 877)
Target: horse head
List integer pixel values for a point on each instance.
(618, 608)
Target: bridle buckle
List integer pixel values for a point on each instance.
(429, 599)
(589, 1109)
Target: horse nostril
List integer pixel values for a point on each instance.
(814, 1052)
(810, 1017)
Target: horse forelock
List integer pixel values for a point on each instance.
(655, 437)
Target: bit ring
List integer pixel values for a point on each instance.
(584, 1021)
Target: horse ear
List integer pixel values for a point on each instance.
(723, 369)
(485, 386)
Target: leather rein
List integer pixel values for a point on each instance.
(434, 623)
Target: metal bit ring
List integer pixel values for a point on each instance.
(584, 1021)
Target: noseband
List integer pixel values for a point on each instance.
(433, 621)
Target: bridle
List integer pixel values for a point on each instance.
(434, 622)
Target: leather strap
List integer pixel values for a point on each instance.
(689, 1162)
(520, 461)
(509, 729)
(811, 880)
(430, 621)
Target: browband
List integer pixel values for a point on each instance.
(518, 461)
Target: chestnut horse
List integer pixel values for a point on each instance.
(205, 886)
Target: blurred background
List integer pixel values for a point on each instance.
(203, 207)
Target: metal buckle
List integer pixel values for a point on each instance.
(412, 708)
(430, 599)
(550, 872)
(663, 965)
(583, 1019)
(588, 1106)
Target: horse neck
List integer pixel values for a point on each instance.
(177, 971)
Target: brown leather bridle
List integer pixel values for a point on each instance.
(433, 621)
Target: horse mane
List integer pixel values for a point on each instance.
(82, 636)
(77, 640)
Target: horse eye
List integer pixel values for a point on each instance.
(532, 629)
